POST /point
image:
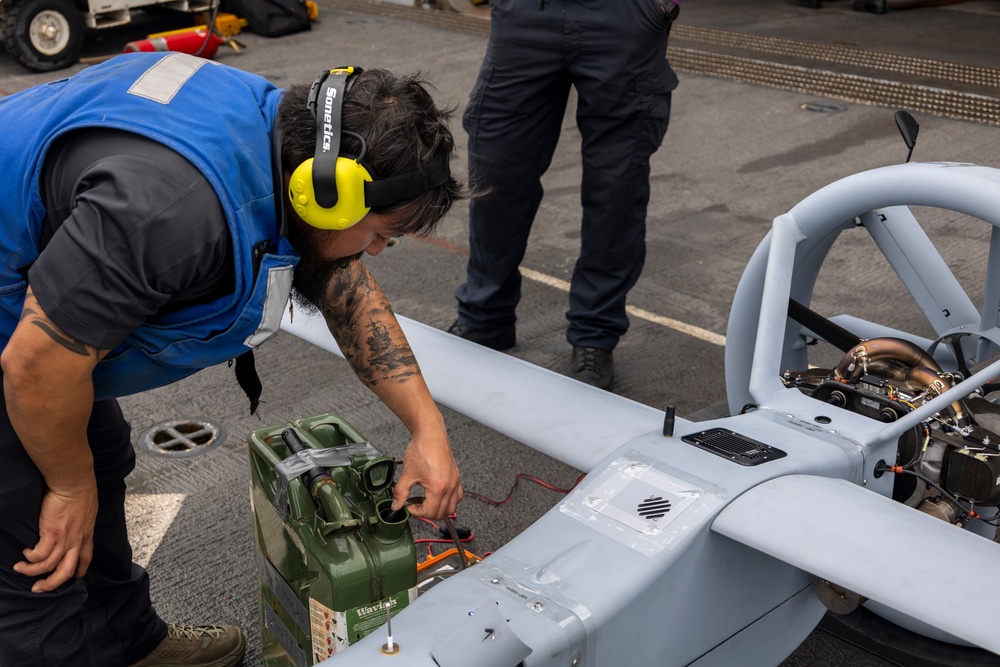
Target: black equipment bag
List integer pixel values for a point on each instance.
(271, 18)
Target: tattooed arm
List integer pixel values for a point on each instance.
(360, 318)
(49, 392)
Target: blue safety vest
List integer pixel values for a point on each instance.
(221, 120)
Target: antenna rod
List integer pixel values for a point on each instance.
(389, 648)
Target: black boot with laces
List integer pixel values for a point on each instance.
(593, 366)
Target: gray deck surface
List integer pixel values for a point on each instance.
(736, 155)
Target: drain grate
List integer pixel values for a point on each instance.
(182, 437)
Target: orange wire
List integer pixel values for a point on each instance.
(431, 561)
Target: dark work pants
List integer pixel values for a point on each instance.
(106, 618)
(613, 52)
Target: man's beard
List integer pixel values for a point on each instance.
(311, 277)
(309, 284)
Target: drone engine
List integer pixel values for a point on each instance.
(949, 463)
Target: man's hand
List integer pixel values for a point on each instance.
(66, 539)
(429, 463)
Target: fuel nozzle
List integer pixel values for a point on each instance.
(322, 487)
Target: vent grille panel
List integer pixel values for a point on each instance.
(733, 446)
(654, 508)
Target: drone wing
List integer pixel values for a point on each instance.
(556, 415)
(920, 566)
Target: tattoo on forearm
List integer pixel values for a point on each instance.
(344, 295)
(396, 361)
(353, 295)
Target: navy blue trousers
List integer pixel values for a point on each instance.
(104, 619)
(613, 52)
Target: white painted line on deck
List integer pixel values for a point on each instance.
(551, 281)
(149, 516)
(670, 323)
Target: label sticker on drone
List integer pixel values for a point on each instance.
(633, 494)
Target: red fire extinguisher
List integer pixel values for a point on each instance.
(191, 41)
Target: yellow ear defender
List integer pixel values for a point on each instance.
(333, 191)
(350, 207)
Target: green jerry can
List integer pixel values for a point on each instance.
(331, 553)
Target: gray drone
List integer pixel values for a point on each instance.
(730, 539)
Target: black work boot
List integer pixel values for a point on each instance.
(593, 366)
(495, 339)
(202, 645)
(871, 6)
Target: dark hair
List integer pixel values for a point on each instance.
(402, 127)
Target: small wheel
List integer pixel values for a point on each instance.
(43, 35)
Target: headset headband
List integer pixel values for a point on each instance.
(391, 190)
(326, 102)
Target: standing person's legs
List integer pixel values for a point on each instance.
(513, 121)
(624, 84)
(105, 618)
(615, 195)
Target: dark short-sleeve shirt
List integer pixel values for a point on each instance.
(132, 229)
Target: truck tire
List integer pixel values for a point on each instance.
(43, 35)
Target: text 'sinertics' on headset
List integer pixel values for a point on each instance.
(334, 191)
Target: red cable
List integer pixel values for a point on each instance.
(516, 481)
